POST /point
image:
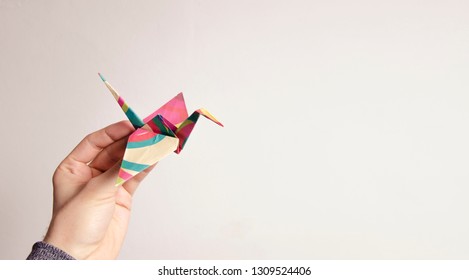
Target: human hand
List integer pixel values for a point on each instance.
(90, 214)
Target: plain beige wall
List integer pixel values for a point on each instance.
(346, 123)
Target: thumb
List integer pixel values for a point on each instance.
(104, 186)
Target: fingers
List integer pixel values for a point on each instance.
(132, 185)
(109, 156)
(95, 142)
(103, 187)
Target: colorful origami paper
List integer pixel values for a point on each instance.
(159, 134)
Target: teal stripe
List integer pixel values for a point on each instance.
(158, 121)
(102, 77)
(144, 143)
(134, 166)
(134, 119)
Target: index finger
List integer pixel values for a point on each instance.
(95, 142)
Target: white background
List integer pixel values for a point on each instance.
(345, 123)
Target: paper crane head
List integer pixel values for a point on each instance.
(156, 136)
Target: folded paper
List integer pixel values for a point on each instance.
(156, 136)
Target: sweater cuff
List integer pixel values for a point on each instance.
(43, 251)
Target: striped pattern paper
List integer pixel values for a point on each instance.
(164, 131)
(131, 115)
(144, 148)
(185, 128)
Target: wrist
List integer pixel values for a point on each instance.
(59, 238)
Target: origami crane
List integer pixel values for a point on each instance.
(164, 131)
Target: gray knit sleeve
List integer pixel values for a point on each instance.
(43, 251)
